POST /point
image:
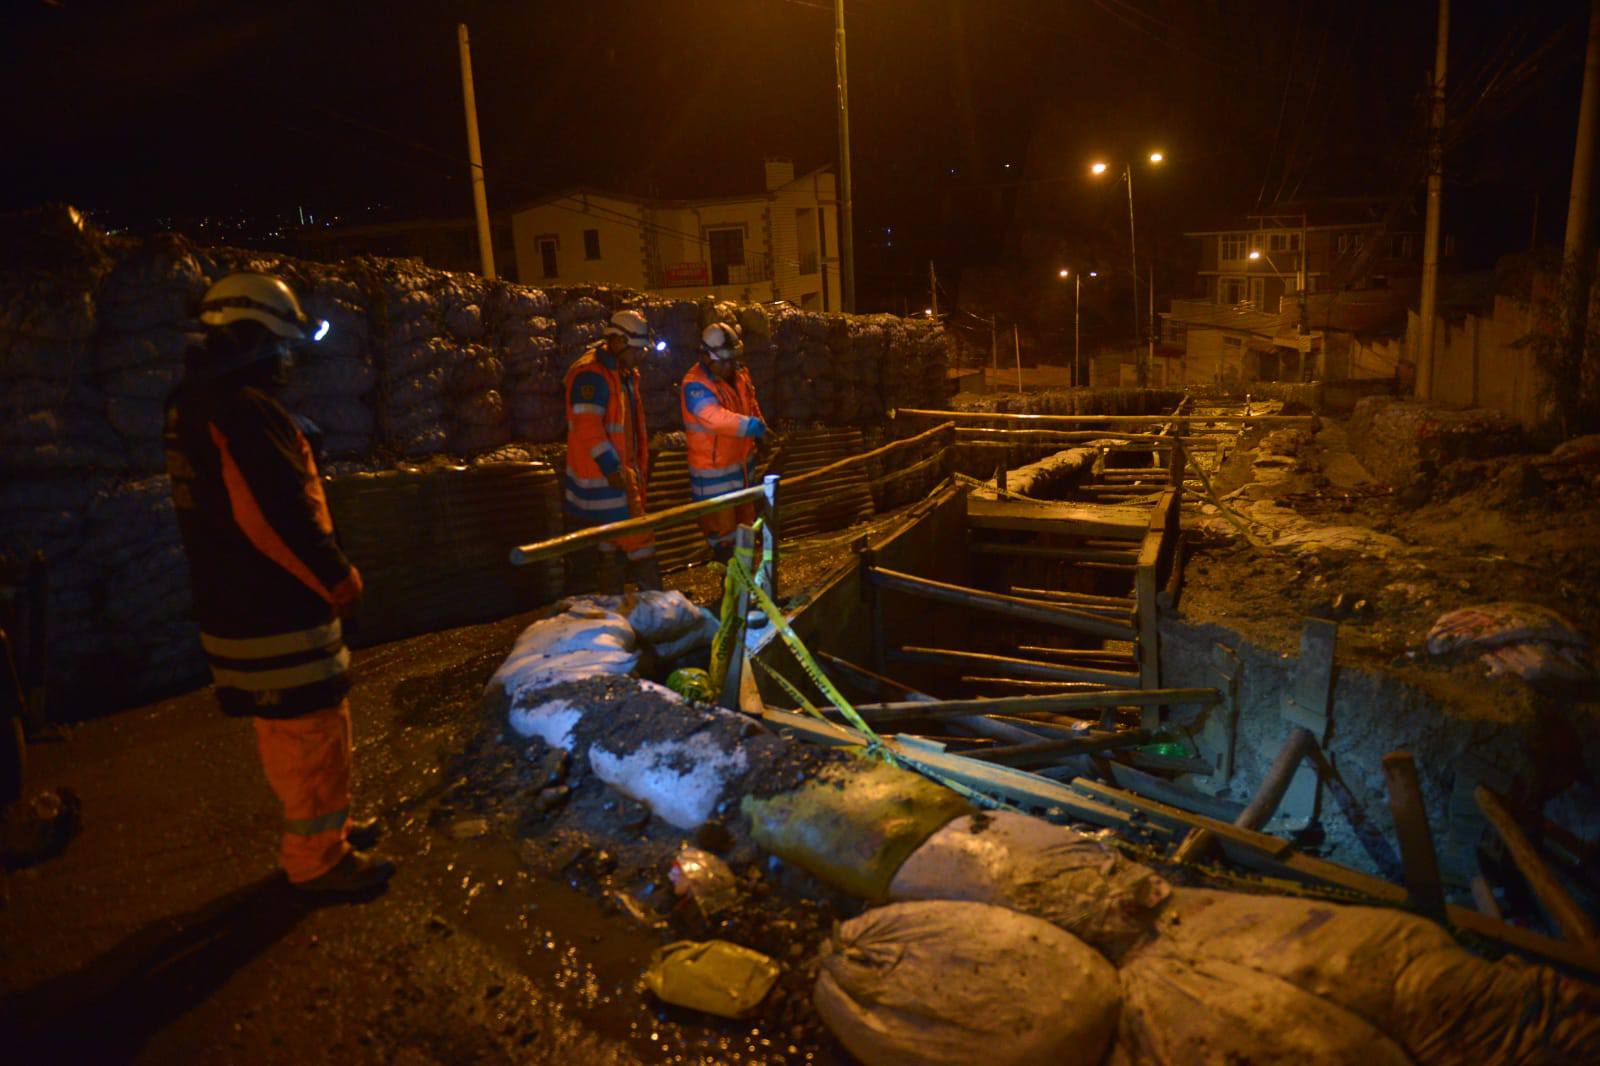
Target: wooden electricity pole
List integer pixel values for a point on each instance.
(1430, 239)
(480, 199)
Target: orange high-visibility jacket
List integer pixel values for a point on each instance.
(605, 433)
(722, 421)
(269, 578)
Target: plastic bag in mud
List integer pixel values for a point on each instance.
(713, 975)
(963, 983)
(1049, 871)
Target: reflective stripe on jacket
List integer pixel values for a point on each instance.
(605, 432)
(721, 421)
(267, 573)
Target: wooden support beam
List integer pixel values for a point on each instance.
(1123, 613)
(861, 677)
(1368, 835)
(1044, 551)
(995, 603)
(876, 714)
(1042, 686)
(1277, 857)
(1006, 665)
(1080, 655)
(1197, 845)
(1045, 752)
(1419, 862)
(1096, 420)
(1557, 903)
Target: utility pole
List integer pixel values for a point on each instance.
(1150, 361)
(847, 240)
(1577, 257)
(1430, 240)
(1016, 338)
(1133, 257)
(994, 343)
(933, 290)
(1305, 296)
(480, 199)
(1077, 352)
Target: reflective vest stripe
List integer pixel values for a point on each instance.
(270, 647)
(322, 669)
(588, 409)
(322, 823)
(588, 482)
(617, 504)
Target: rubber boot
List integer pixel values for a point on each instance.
(355, 878)
(646, 573)
(721, 553)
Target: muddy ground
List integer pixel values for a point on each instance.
(529, 900)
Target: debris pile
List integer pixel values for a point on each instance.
(416, 363)
(973, 907)
(1402, 443)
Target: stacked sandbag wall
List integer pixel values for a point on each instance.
(417, 363)
(1402, 442)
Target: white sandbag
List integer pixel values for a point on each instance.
(660, 617)
(1177, 1011)
(964, 983)
(1049, 871)
(680, 781)
(584, 640)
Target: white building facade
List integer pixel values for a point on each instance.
(781, 244)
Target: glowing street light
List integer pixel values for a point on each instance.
(1255, 253)
(1097, 169)
(1077, 294)
(1064, 272)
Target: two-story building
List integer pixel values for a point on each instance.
(1280, 296)
(780, 244)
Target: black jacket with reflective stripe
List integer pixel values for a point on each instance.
(263, 560)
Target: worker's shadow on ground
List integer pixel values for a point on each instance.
(109, 1008)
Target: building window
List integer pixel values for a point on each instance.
(547, 257)
(727, 250)
(1232, 290)
(591, 244)
(1232, 247)
(1284, 242)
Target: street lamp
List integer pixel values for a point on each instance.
(1098, 168)
(1077, 294)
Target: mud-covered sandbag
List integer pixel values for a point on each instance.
(584, 640)
(1049, 871)
(1401, 973)
(1490, 625)
(1453, 1007)
(853, 825)
(1178, 1010)
(964, 983)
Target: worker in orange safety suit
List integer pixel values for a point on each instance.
(723, 423)
(270, 581)
(608, 449)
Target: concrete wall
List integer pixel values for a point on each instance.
(621, 225)
(1478, 363)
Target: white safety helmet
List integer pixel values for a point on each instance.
(630, 325)
(720, 340)
(258, 298)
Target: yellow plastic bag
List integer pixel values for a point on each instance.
(712, 976)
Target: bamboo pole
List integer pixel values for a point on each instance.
(1050, 750)
(1200, 842)
(524, 554)
(1005, 664)
(904, 442)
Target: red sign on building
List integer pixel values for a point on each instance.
(687, 274)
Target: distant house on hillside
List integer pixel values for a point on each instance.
(780, 244)
(1293, 294)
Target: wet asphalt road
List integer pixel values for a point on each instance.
(164, 934)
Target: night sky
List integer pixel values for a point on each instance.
(182, 108)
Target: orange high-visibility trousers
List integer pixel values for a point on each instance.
(634, 545)
(719, 526)
(307, 760)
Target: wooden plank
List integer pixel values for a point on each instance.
(1047, 752)
(1073, 519)
(1419, 864)
(1080, 654)
(1562, 909)
(1045, 551)
(996, 603)
(876, 714)
(1007, 665)
(1139, 420)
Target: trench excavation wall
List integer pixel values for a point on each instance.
(418, 363)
